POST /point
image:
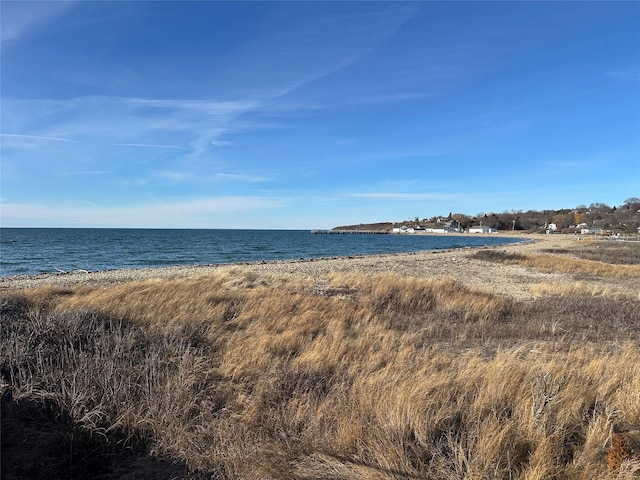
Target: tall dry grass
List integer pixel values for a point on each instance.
(562, 264)
(581, 289)
(621, 253)
(236, 376)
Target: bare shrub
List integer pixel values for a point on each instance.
(40, 441)
(491, 255)
(109, 377)
(580, 318)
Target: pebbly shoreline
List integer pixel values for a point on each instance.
(457, 263)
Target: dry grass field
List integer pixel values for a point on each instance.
(244, 374)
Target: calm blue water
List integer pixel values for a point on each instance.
(42, 250)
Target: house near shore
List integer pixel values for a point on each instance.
(440, 229)
(591, 231)
(443, 226)
(482, 229)
(403, 229)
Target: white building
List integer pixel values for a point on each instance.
(403, 230)
(482, 229)
(439, 230)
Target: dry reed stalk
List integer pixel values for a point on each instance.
(580, 289)
(561, 264)
(589, 267)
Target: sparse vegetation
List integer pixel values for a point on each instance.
(556, 263)
(619, 253)
(238, 375)
(580, 289)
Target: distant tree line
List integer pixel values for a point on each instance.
(621, 219)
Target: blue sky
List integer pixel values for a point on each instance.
(312, 115)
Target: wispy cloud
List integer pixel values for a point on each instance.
(201, 212)
(403, 196)
(201, 125)
(566, 164)
(396, 154)
(628, 73)
(586, 163)
(81, 173)
(211, 108)
(23, 19)
(147, 145)
(194, 125)
(34, 138)
(242, 177)
(391, 97)
(283, 62)
(174, 176)
(221, 143)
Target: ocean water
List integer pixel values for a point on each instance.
(45, 250)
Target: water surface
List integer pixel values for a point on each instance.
(42, 250)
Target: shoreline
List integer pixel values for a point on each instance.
(454, 263)
(10, 279)
(37, 273)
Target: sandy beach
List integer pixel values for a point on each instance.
(509, 280)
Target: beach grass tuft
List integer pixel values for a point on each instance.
(563, 264)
